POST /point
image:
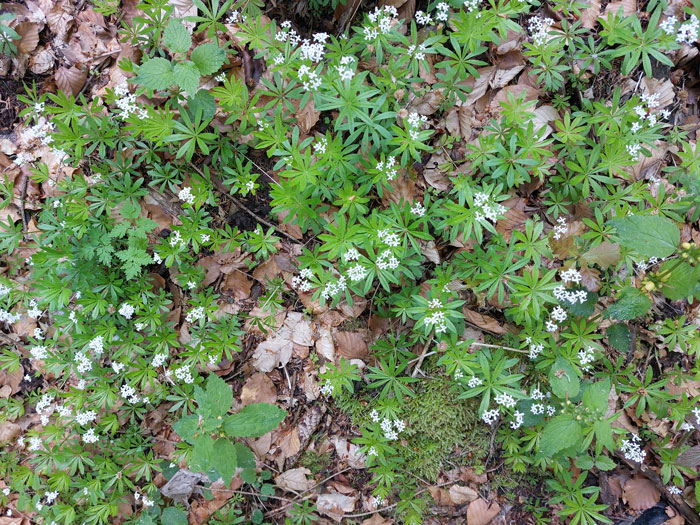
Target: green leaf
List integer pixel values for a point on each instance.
(216, 400)
(254, 420)
(208, 58)
(584, 309)
(560, 433)
(186, 427)
(187, 76)
(604, 463)
(619, 336)
(563, 379)
(595, 396)
(225, 462)
(246, 458)
(176, 37)
(173, 516)
(681, 279)
(648, 235)
(603, 435)
(157, 73)
(203, 101)
(630, 303)
(202, 457)
(584, 462)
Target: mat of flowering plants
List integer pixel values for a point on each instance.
(345, 261)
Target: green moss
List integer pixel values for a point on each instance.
(314, 461)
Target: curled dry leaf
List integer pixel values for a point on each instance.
(481, 513)
(295, 480)
(351, 345)
(486, 323)
(70, 80)
(335, 505)
(349, 452)
(460, 494)
(640, 493)
(430, 102)
(29, 37)
(308, 116)
(9, 431)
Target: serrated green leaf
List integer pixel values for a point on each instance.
(619, 336)
(203, 101)
(208, 58)
(254, 420)
(595, 396)
(246, 458)
(584, 309)
(584, 462)
(680, 279)
(187, 76)
(157, 73)
(202, 457)
(563, 379)
(559, 434)
(176, 37)
(630, 303)
(604, 463)
(216, 399)
(173, 516)
(186, 427)
(226, 461)
(647, 235)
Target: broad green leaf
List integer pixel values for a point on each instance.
(203, 101)
(648, 235)
(630, 303)
(246, 458)
(603, 435)
(681, 279)
(202, 457)
(254, 420)
(157, 73)
(173, 516)
(584, 462)
(176, 37)
(595, 396)
(187, 76)
(619, 336)
(563, 379)
(604, 463)
(208, 58)
(560, 433)
(225, 459)
(216, 400)
(584, 309)
(186, 427)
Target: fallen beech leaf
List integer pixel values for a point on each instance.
(70, 81)
(502, 76)
(629, 8)
(258, 389)
(12, 380)
(181, 486)
(295, 480)
(484, 322)
(589, 16)
(460, 494)
(481, 513)
(9, 431)
(349, 452)
(29, 34)
(640, 493)
(335, 505)
(307, 116)
(290, 444)
(690, 458)
(430, 102)
(325, 346)
(377, 519)
(441, 496)
(351, 345)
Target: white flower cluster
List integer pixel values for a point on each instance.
(128, 392)
(159, 359)
(471, 5)
(34, 312)
(538, 409)
(474, 382)
(357, 272)
(423, 18)
(562, 294)
(174, 239)
(351, 255)
(696, 413)
(388, 168)
(41, 130)
(84, 363)
(687, 33)
(233, 17)
(419, 54)
(333, 288)
(392, 429)
(126, 310)
(195, 314)
(309, 79)
(44, 408)
(302, 280)
(387, 261)
(96, 344)
(643, 265)
(487, 210)
(674, 490)
(443, 11)
(327, 388)
(437, 316)
(90, 436)
(535, 348)
(314, 50)
(632, 450)
(320, 145)
(418, 209)
(83, 418)
(389, 238)
(39, 352)
(518, 422)
(377, 501)
(490, 416)
(539, 27)
(560, 228)
(505, 400)
(586, 357)
(144, 500)
(288, 35)
(4, 290)
(415, 121)
(184, 374)
(185, 195)
(7, 317)
(381, 18)
(127, 103)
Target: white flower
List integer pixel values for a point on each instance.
(327, 388)
(374, 415)
(195, 314)
(489, 416)
(90, 437)
(357, 273)
(674, 490)
(474, 382)
(418, 209)
(185, 195)
(572, 275)
(423, 18)
(632, 450)
(83, 418)
(519, 417)
(559, 314)
(126, 310)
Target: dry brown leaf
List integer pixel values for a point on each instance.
(378, 519)
(589, 16)
(690, 458)
(12, 380)
(274, 352)
(9, 431)
(441, 496)
(29, 33)
(70, 80)
(460, 494)
(481, 513)
(290, 443)
(308, 116)
(335, 505)
(325, 346)
(489, 324)
(514, 217)
(238, 285)
(258, 389)
(430, 102)
(349, 452)
(351, 345)
(433, 175)
(295, 480)
(640, 493)
(629, 8)
(479, 85)
(543, 116)
(502, 76)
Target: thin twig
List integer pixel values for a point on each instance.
(422, 356)
(264, 172)
(502, 347)
(22, 197)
